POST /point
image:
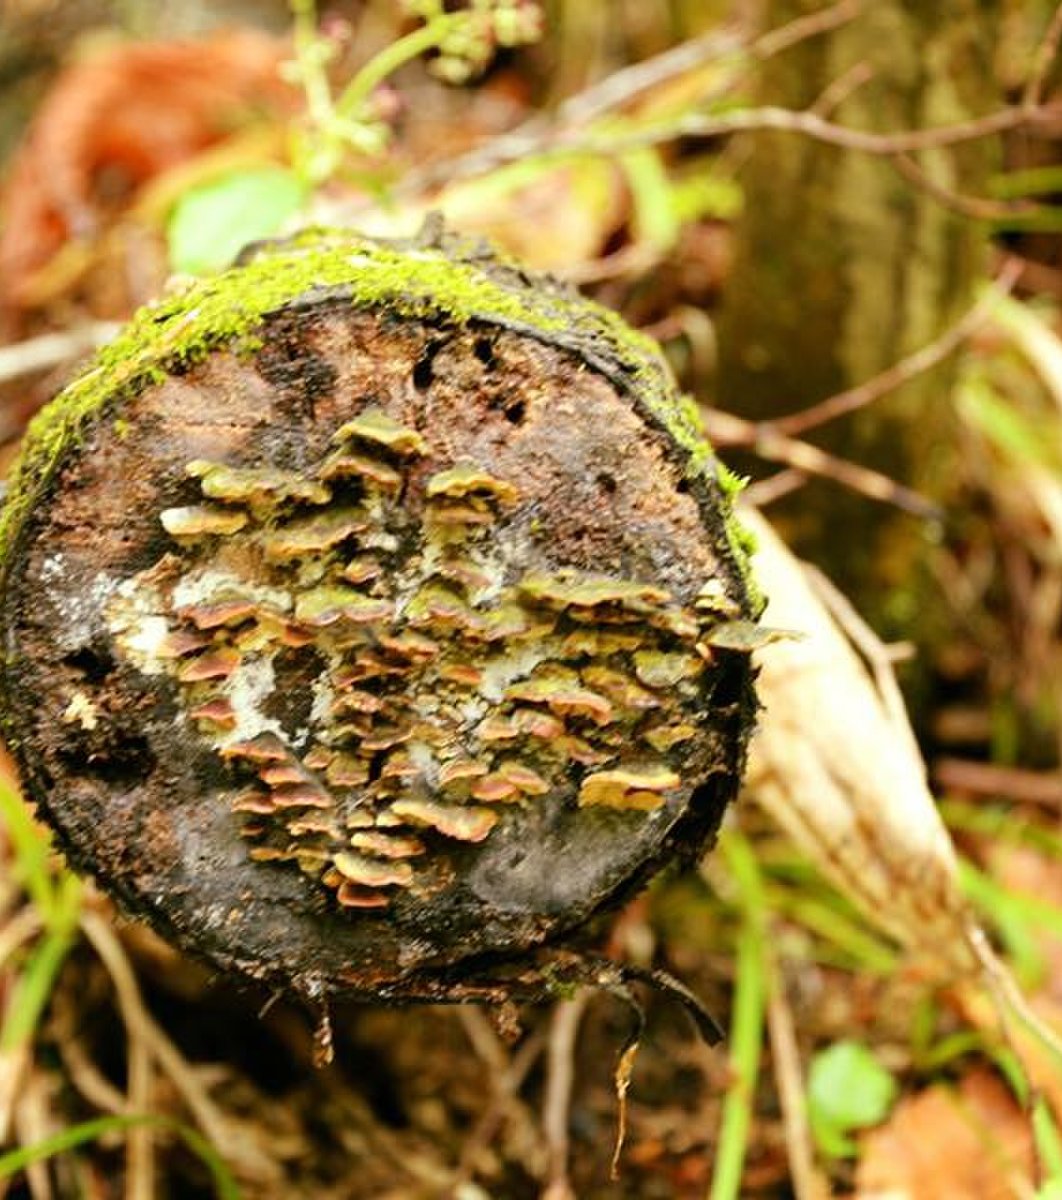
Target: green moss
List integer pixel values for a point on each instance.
(453, 281)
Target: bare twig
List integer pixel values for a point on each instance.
(87, 1078)
(766, 491)
(725, 429)
(539, 136)
(501, 1070)
(24, 925)
(1046, 54)
(978, 208)
(33, 1124)
(52, 349)
(506, 1089)
(802, 29)
(770, 119)
(617, 90)
(907, 368)
(986, 779)
(696, 326)
(808, 1183)
(207, 1115)
(556, 1108)
(841, 88)
(140, 1157)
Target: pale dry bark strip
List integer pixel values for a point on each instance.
(832, 768)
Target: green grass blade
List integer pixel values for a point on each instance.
(31, 848)
(747, 1021)
(37, 979)
(13, 1161)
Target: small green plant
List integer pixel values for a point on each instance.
(464, 41)
(212, 221)
(848, 1090)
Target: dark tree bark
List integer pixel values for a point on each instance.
(842, 268)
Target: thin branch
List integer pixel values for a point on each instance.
(907, 368)
(540, 136)
(505, 1101)
(211, 1119)
(52, 349)
(768, 491)
(1046, 53)
(808, 1183)
(33, 1123)
(979, 208)
(725, 429)
(506, 1088)
(841, 88)
(86, 1078)
(986, 779)
(770, 119)
(617, 90)
(560, 1079)
(802, 29)
(140, 1154)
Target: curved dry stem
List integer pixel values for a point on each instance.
(143, 1029)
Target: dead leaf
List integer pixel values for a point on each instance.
(115, 121)
(967, 1143)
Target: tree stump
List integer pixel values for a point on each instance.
(374, 613)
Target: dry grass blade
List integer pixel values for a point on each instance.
(505, 1103)
(242, 1153)
(140, 1171)
(1034, 338)
(33, 1123)
(808, 1183)
(766, 442)
(564, 1031)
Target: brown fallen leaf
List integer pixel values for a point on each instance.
(116, 120)
(971, 1142)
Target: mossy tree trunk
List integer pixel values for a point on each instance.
(842, 268)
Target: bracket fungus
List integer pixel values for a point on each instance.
(369, 619)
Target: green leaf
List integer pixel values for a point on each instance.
(1033, 181)
(211, 223)
(1018, 437)
(655, 221)
(1048, 1146)
(848, 1089)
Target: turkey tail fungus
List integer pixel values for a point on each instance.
(374, 616)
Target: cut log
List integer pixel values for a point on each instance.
(361, 611)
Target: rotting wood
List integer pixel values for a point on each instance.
(364, 613)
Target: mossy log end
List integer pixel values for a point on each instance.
(369, 617)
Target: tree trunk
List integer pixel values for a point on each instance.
(842, 268)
